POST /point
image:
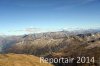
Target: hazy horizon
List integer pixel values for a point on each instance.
(19, 17)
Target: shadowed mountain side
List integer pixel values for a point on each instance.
(45, 46)
(90, 49)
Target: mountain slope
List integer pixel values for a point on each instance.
(20, 60)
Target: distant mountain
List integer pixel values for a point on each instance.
(34, 43)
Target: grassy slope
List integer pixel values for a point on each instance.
(20, 60)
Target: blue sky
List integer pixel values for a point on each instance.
(29, 16)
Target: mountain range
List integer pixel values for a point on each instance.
(54, 44)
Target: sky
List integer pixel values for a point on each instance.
(19, 17)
